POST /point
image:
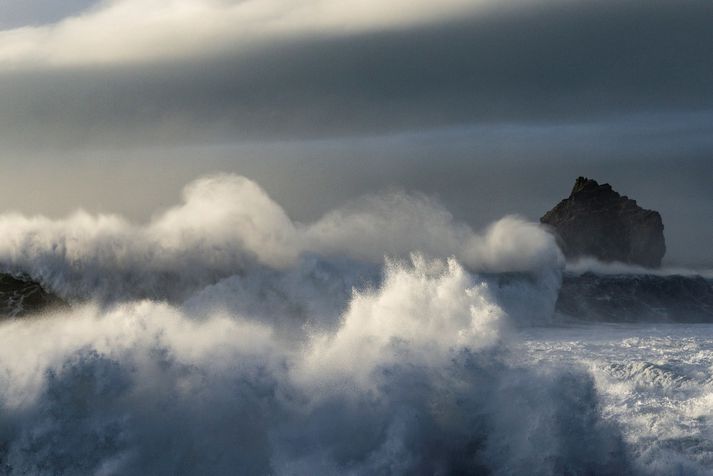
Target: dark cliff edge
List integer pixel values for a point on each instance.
(20, 296)
(595, 221)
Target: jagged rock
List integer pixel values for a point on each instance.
(596, 221)
(19, 296)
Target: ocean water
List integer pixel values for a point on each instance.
(385, 338)
(655, 381)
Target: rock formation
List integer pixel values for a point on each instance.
(20, 296)
(596, 221)
(636, 297)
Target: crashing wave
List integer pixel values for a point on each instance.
(224, 338)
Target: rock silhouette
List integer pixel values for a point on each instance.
(595, 221)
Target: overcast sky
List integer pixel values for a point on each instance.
(493, 106)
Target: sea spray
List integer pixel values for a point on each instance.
(273, 347)
(228, 225)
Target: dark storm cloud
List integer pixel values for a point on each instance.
(557, 61)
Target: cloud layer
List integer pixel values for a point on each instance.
(563, 88)
(121, 31)
(195, 70)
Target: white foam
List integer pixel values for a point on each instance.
(288, 348)
(585, 265)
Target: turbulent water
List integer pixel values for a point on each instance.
(385, 338)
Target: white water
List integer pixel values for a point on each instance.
(274, 347)
(655, 381)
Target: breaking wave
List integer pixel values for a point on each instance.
(228, 225)
(222, 337)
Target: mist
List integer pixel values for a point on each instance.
(302, 237)
(480, 173)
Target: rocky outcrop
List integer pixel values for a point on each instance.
(595, 221)
(20, 296)
(636, 297)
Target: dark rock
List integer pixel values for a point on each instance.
(596, 221)
(636, 297)
(20, 296)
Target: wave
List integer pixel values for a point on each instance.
(411, 380)
(654, 380)
(222, 337)
(228, 225)
(590, 265)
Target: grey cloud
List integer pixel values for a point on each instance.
(19, 13)
(494, 114)
(560, 61)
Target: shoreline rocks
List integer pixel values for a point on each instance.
(636, 298)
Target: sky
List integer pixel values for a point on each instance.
(493, 107)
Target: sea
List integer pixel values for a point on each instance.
(221, 337)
